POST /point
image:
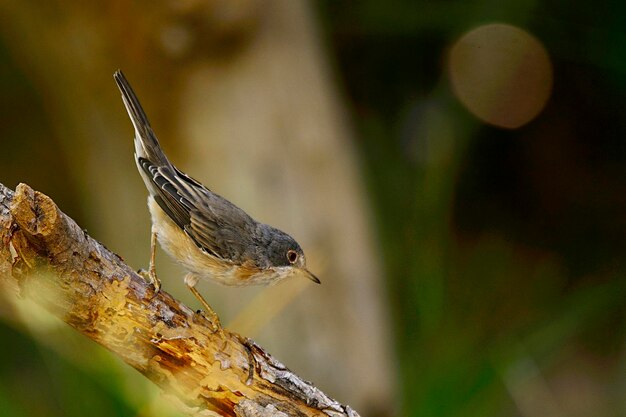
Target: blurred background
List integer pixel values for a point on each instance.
(455, 171)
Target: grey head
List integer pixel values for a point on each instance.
(282, 251)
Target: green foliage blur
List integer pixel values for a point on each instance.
(504, 250)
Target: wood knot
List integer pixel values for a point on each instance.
(34, 212)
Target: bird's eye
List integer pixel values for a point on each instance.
(292, 256)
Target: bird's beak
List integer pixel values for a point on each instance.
(310, 276)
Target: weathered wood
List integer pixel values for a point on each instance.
(46, 257)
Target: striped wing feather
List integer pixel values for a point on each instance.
(212, 222)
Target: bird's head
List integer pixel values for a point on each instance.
(285, 254)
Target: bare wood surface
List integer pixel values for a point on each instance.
(46, 257)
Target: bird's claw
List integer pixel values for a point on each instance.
(214, 324)
(152, 278)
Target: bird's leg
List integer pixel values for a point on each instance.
(191, 281)
(152, 269)
(151, 275)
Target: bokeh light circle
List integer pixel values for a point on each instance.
(501, 73)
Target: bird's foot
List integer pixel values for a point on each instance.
(152, 278)
(214, 323)
(209, 314)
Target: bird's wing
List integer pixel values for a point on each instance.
(214, 224)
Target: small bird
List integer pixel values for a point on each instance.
(208, 235)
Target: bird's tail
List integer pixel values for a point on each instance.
(146, 143)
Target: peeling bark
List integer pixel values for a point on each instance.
(46, 257)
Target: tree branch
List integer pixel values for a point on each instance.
(45, 256)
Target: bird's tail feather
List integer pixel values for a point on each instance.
(146, 143)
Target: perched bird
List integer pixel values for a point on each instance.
(207, 234)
